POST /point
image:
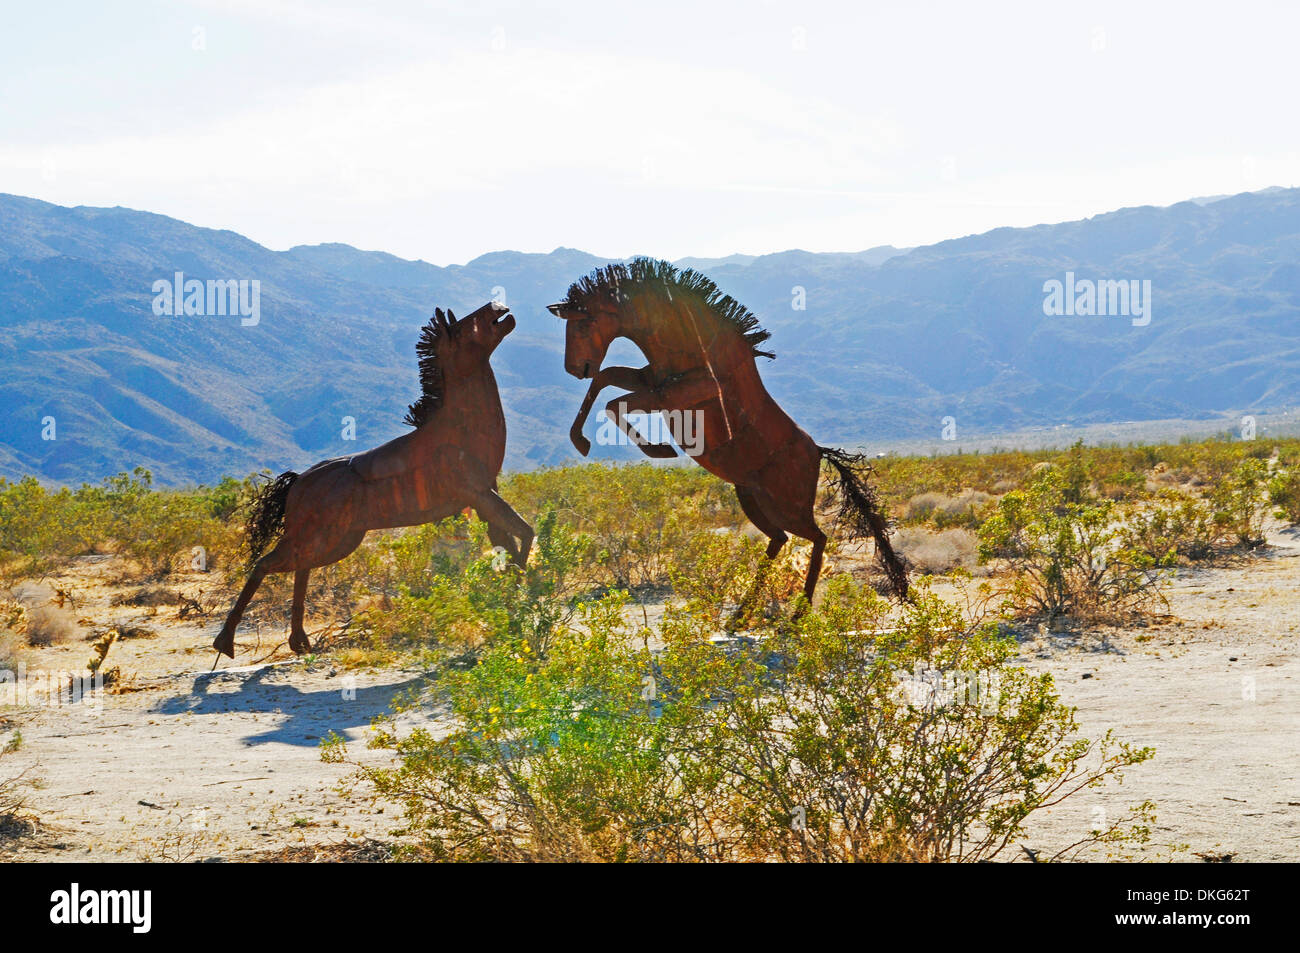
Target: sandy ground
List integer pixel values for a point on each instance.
(195, 766)
(1217, 693)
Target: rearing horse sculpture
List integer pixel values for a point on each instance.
(447, 464)
(702, 346)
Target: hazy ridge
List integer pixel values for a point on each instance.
(891, 341)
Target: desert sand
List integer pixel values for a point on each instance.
(192, 765)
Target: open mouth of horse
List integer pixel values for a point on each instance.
(505, 321)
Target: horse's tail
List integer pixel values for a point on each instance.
(860, 515)
(266, 514)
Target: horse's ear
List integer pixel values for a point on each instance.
(452, 325)
(439, 319)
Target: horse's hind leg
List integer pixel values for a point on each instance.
(225, 640)
(776, 539)
(298, 640)
(800, 523)
(776, 536)
(814, 562)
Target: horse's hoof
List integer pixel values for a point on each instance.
(225, 645)
(659, 451)
(581, 443)
(300, 646)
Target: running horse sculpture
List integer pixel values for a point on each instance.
(447, 464)
(702, 346)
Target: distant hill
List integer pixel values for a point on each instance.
(889, 341)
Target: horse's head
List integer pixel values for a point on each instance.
(591, 324)
(472, 339)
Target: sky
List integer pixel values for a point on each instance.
(443, 131)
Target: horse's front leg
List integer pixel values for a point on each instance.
(625, 378)
(502, 520)
(687, 390)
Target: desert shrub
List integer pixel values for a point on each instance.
(634, 518)
(936, 553)
(1238, 501)
(1067, 553)
(49, 625)
(468, 594)
(1172, 529)
(806, 741)
(966, 509)
(1284, 493)
(13, 615)
(1110, 471)
(157, 529)
(1123, 485)
(38, 526)
(150, 596)
(902, 478)
(14, 819)
(1176, 527)
(153, 528)
(718, 573)
(10, 652)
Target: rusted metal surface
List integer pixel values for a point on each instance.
(702, 346)
(449, 463)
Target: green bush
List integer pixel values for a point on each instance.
(37, 527)
(1238, 502)
(1284, 493)
(1067, 551)
(1177, 527)
(454, 594)
(1173, 529)
(633, 519)
(806, 741)
(156, 529)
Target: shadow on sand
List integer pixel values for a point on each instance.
(308, 716)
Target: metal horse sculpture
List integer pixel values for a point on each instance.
(447, 464)
(702, 346)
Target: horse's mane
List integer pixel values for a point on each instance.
(660, 277)
(438, 330)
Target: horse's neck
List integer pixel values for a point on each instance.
(473, 395)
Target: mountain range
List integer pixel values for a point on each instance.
(871, 346)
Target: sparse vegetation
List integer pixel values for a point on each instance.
(1138, 511)
(967, 509)
(800, 742)
(937, 553)
(156, 530)
(49, 625)
(1066, 551)
(556, 750)
(1284, 493)
(15, 821)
